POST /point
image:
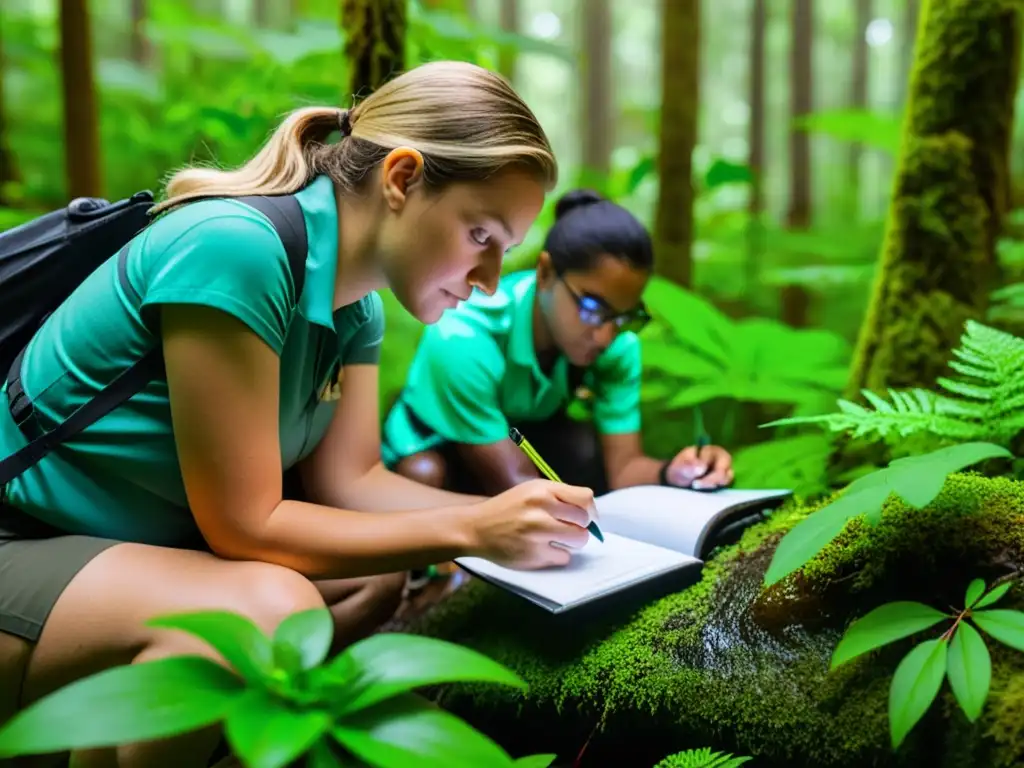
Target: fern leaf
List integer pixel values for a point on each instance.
(702, 758)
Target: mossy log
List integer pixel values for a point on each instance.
(732, 666)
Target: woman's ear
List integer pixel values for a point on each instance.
(402, 168)
(545, 271)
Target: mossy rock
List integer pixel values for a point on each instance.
(728, 664)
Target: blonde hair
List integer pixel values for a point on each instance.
(467, 122)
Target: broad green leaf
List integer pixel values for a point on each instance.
(974, 590)
(1004, 625)
(233, 636)
(125, 704)
(918, 479)
(811, 534)
(994, 595)
(884, 625)
(969, 668)
(393, 663)
(408, 730)
(914, 685)
(310, 633)
(321, 755)
(534, 761)
(267, 732)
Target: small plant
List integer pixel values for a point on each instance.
(915, 479)
(959, 654)
(358, 709)
(989, 406)
(701, 758)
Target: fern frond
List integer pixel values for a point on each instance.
(989, 407)
(702, 758)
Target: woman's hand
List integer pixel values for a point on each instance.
(709, 467)
(533, 525)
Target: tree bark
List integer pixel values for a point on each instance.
(859, 88)
(795, 301)
(509, 22)
(756, 159)
(951, 192)
(141, 52)
(81, 129)
(680, 83)
(598, 124)
(374, 42)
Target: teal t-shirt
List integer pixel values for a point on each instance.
(475, 373)
(120, 477)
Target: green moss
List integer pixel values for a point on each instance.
(950, 194)
(745, 670)
(374, 42)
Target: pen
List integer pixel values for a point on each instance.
(548, 472)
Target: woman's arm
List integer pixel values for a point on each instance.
(345, 469)
(223, 383)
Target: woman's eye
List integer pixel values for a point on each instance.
(479, 235)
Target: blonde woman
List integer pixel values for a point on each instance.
(176, 500)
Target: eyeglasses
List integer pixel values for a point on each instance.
(595, 311)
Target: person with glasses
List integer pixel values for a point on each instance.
(564, 332)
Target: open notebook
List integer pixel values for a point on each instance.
(649, 531)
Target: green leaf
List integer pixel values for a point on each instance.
(321, 755)
(266, 732)
(534, 761)
(308, 632)
(969, 668)
(994, 595)
(883, 625)
(407, 730)
(916, 479)
(1004, 625)
(393, 663)
(125, 704)
(723, 172)
(974, 590)
(914, 685)
(234, 637)
(811, 534)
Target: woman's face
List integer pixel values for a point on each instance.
(586, 309)
(435, 247)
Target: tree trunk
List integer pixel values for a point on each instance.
(598, 125)
(81, 131)
(951, 191)
(795, 301)
(374, 42)
(756, 85)
(859, 88)
(8, 168)
(680, 83)
(261, 13)
(141, 52)
(509, 22)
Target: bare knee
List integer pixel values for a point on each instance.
(426, 467)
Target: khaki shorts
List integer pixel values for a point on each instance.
(37, 563)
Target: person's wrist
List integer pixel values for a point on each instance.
(465, 529)
(663, 474)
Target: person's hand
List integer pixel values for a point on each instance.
(710, 467)
(536, 524)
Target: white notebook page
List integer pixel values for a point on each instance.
(670, 517)
(598, 567)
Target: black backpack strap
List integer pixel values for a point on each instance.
(286, 216)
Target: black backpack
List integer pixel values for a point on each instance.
(44, 260)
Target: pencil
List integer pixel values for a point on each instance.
(547, 471)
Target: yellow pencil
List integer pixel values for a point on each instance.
(547, 471)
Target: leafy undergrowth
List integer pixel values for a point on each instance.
(743, 669)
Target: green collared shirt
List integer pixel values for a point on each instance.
(120, 478)
(475, 373)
